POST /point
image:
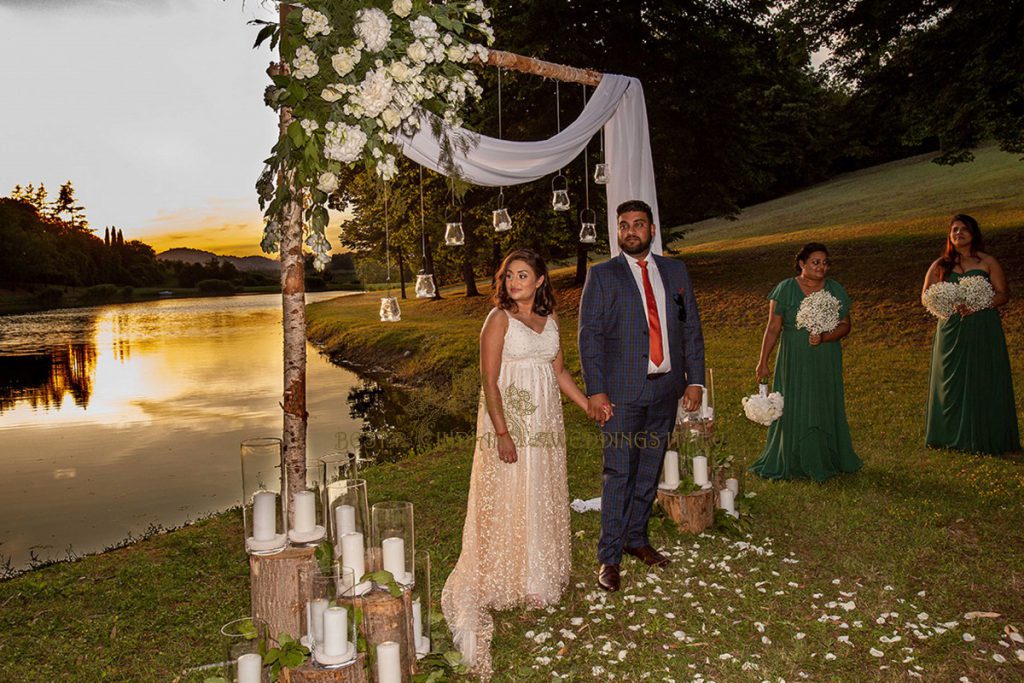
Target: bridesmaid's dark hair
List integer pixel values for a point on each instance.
(807, 250)
(950, 256)
(543, 299)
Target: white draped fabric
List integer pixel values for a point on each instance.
(617, 104)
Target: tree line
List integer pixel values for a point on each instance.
(738, 113)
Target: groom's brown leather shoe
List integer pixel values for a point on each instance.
(608, 577)
(649, 556)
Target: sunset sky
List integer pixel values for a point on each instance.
(152, 108)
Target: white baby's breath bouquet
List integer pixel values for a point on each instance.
(762, 407)
(818, 313)
(975, 292)
(941, 299)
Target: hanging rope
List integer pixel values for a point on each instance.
(423, 233)
(586, 165)
(387, 238)
(501, 188)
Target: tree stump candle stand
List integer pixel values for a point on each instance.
(692, 512)
(387, 618)
(275, 589)
(310, 673)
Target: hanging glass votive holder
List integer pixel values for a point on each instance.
(601, 173)
(500, 218)
(560, 193)
(393, 533)
(329, 619)
(425, 287)
(348, 522)
(453, 233)
(588, 226)
(263, 516)
(390, 312)
(421, 604)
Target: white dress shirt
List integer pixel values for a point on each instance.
(659, 299)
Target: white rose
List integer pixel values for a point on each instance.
(400, 71)
(305, 64)
(316, 23)
(417, 52)
(423, 27)
(328, 182)
(374, 28)
(345, 60)
(330, 94)
(457, 53)
(387, 168)
(401, 7)
(391, 118)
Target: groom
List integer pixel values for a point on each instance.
(641, 349)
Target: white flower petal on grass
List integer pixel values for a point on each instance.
(922, 617)
(725, 656)
(848, 606)
(999, 658)
(968, 637)
(576, 621)
(1014, 634)
(800, 635)
(1020, 655)
(766, 640)
(679, 635)
(876, 653)
(829, 656)
(844, 639)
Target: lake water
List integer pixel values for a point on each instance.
(116, 418)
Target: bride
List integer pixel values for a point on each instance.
(515, 540)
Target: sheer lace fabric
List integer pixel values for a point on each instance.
(515, 540)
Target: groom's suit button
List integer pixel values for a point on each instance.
(608, 577)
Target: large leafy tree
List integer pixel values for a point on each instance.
(944, 72)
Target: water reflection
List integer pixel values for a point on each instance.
(45, 380)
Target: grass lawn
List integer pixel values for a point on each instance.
(869, 577)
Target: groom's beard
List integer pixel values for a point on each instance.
(635, 246)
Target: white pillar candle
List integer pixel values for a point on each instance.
(264, 515)
(671, 471)
(726, 501)
(335, 631)
(305, 511)
(733, 484)
(700, 470)
(389, 663)
(317, 608)
(345, 519)
(417, 622)
(250, 668)
(352, 554)
(393, 550)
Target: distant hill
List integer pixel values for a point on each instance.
(243, 263)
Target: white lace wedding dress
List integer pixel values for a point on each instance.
(515, 541)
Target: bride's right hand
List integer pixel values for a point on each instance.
(507, 449)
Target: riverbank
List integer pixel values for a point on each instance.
(867, 577)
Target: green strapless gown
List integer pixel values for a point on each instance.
(970, 391)
(812, 438)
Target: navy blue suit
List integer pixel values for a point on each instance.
(614, 346)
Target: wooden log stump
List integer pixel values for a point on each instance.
(692, 512)
(388, 618)
(275, 592)
(310, 673)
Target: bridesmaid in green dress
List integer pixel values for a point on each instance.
(812, 438)
(970, 391)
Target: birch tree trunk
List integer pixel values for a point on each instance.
(293, 303)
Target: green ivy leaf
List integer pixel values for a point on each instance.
(295, 132)
(384, 578)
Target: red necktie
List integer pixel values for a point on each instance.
(653, 321)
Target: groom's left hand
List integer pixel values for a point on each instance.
(691, 398)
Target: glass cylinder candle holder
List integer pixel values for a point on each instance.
(707, 401)
(263, 509)
(670, 471)
(329, 624)
(601, 172)
(390, 311)
(246, 639)
(425, 287)
(304, 530)
(393, 533)
(248, 668)
(348, 520)
(336, 466)
(421, 604)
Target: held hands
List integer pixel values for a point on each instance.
(814, 339)
(600, 408)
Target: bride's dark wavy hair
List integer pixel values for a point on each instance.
(950, 256)
(543, 298)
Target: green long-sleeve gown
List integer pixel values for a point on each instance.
(970, 391)
(812, 438)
